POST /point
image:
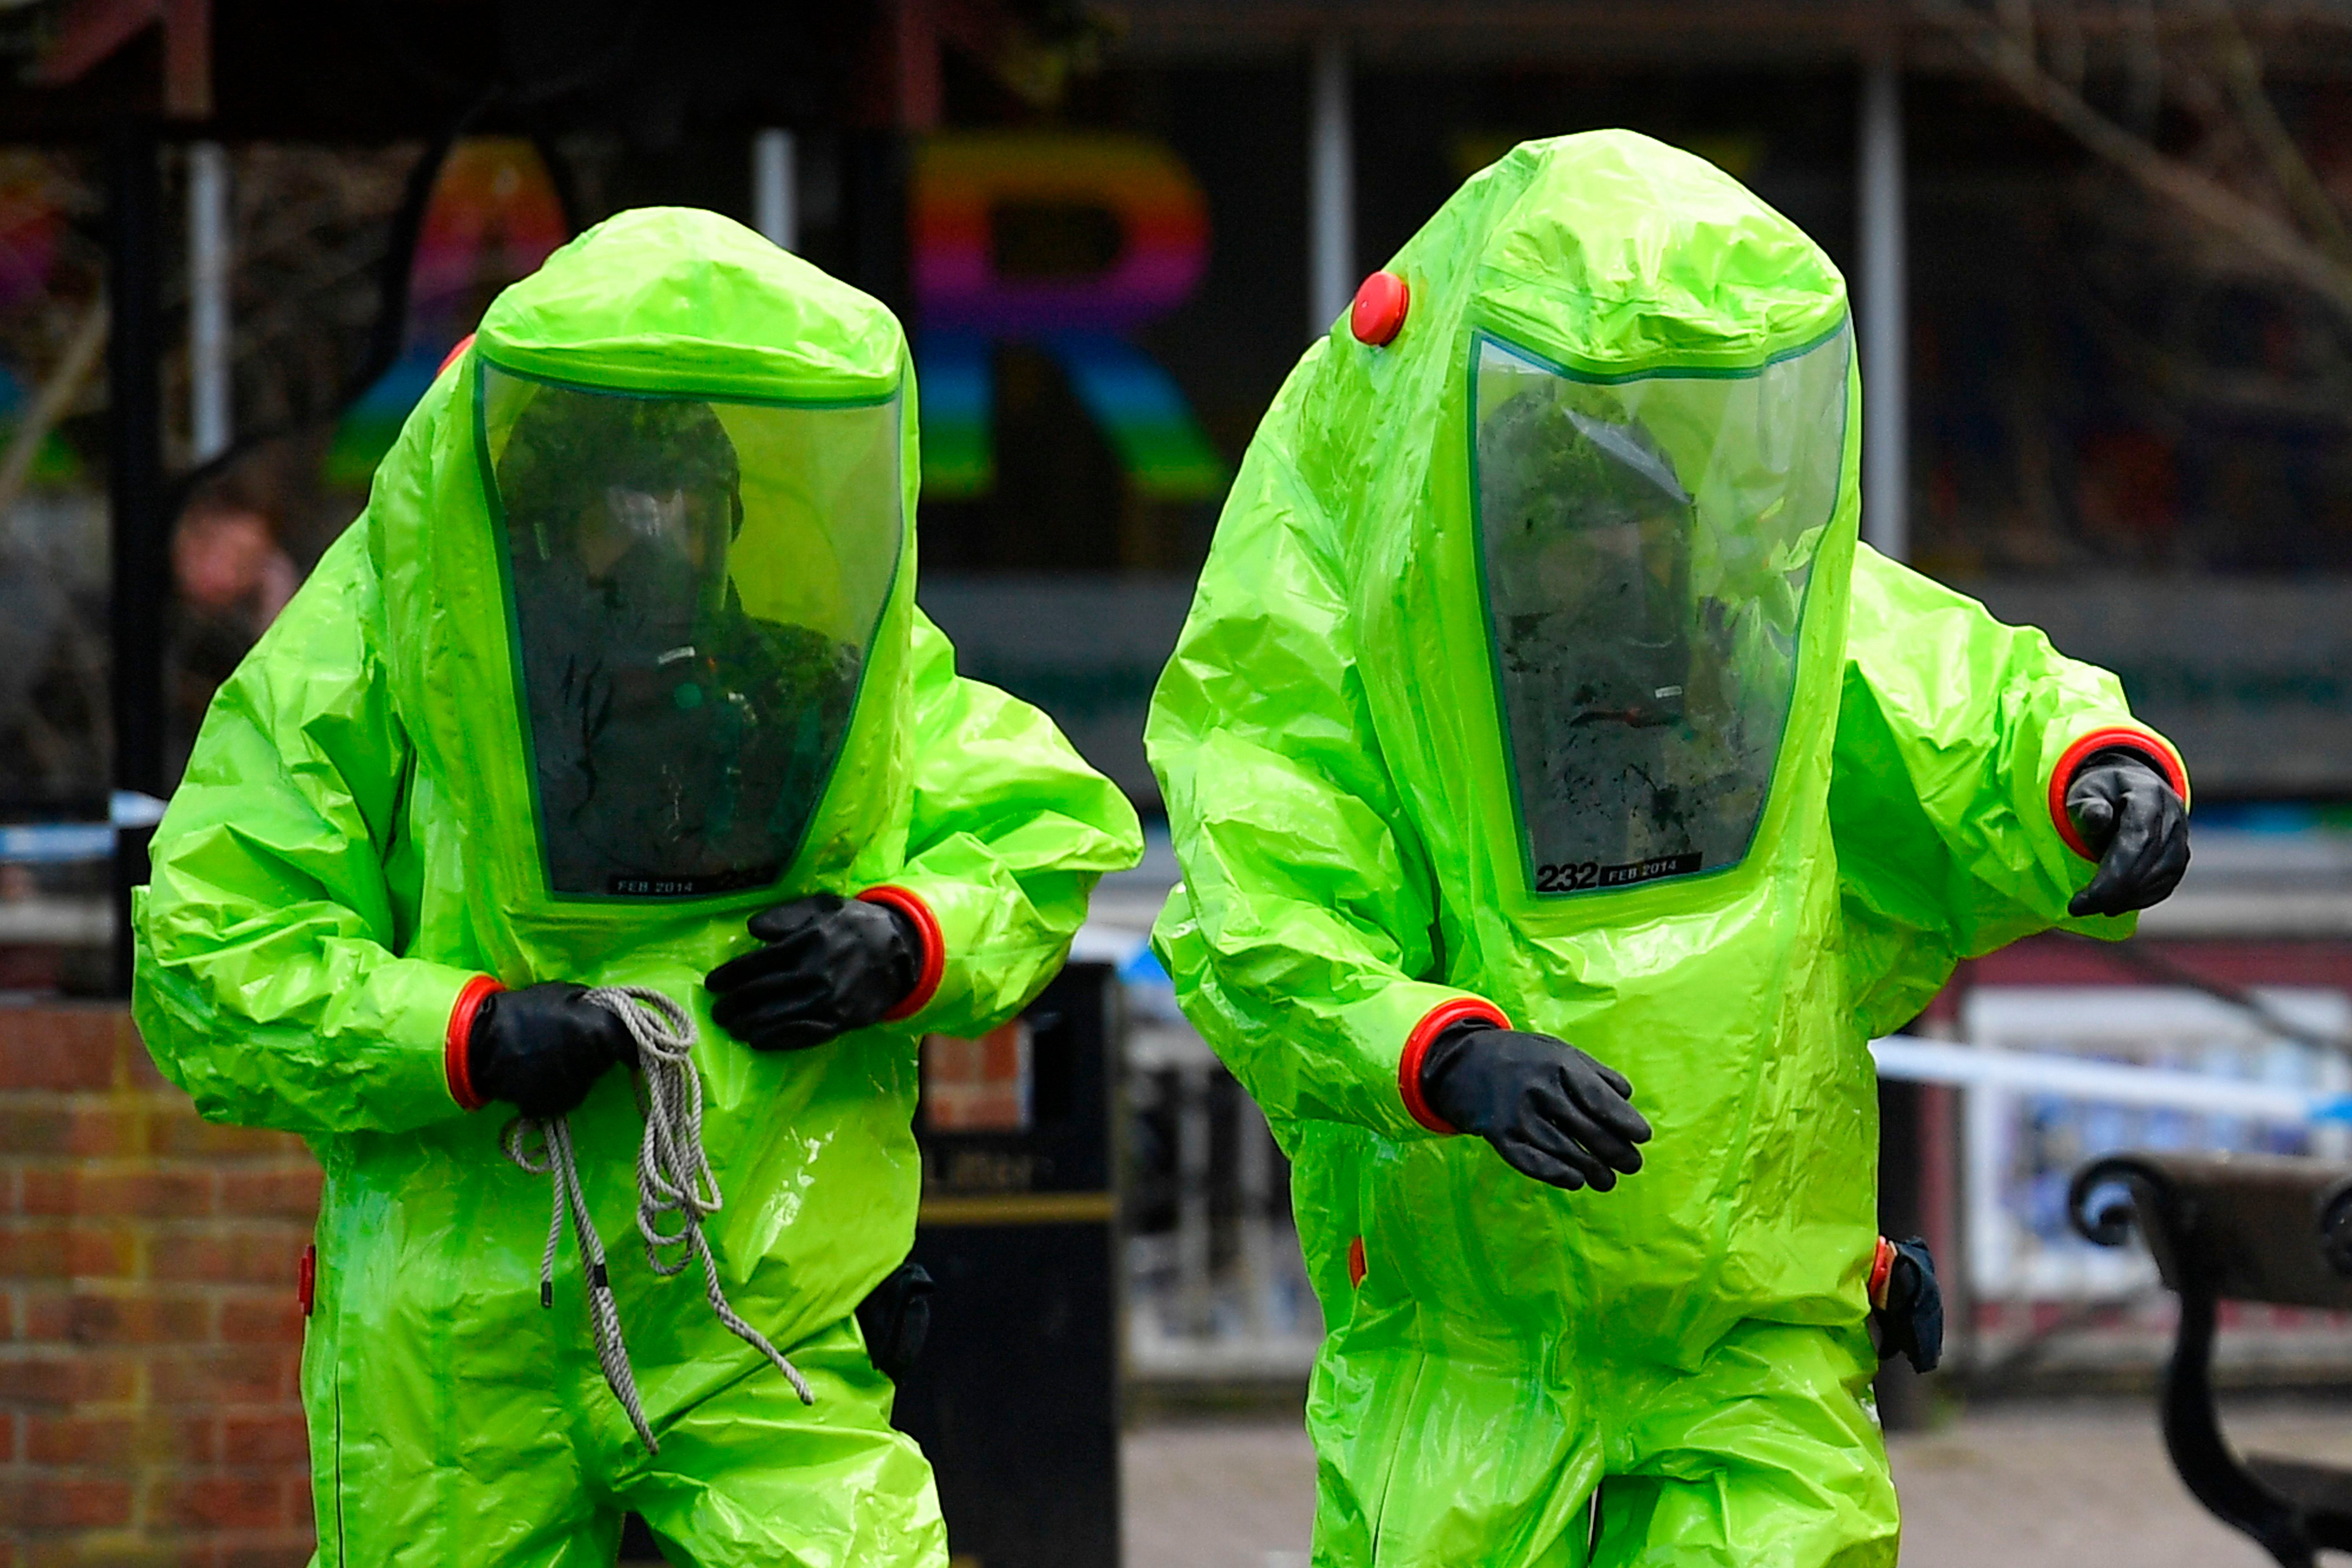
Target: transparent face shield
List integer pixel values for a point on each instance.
(1646, 546)
(695, 587)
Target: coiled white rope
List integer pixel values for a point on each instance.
(673, 1177)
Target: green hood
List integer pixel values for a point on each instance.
(1669, 298)
(667, 301)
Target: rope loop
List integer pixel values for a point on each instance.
(678, 1191)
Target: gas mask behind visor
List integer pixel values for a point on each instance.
(694, 588)
(1646, 546)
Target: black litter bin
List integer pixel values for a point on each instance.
(1015, 1395)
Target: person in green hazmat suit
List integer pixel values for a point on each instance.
(624, 650)
(1548, 761)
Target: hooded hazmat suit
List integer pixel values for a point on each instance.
(623, 649)
(1537, 675)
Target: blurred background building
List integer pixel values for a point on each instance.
(2101, 257)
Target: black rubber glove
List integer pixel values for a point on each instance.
(1550, 1111)
(1911, 1317)
(2139, 827)
(830, 964)
(896, 1319)
(543, 1047)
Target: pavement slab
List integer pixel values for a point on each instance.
(2060, 1484)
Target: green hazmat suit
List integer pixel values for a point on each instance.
(532, 725)
(1537, 674)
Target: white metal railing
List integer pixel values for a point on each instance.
(2106, 1083)
(35, 915)
(1215, 1288)
(2053, 1075)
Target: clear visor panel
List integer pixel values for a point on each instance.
(695, 587)
(1647, 545)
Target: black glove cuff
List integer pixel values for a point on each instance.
(896, 1319)
(906, 952)
(2123, 752)
(1911, 1319)
(478, 1033)
(1452, 1042)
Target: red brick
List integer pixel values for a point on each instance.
(56, 1503)
(45, 1317)
(117, 1442)
(136, 1320)
(265, 1440)
(82, 1377)
(47, 1192)
(35, 1249)
(154, 1256)
(226, 1374)
(65, 1127)
(275, 1319)
(115, 1552)
(109, 1550)
(110, 1441)
(100, 1252)
(140, 1070)
(130, 1318)
(190, 1137)
(247, 1254)
(219, 1502)
(289, 1193)
(149, 1194)
(167, 1439)
(60, 1048)
(146, 1194)
(293, 1553)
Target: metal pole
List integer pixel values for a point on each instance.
(874, 202)
(1885, 314)
(1253, 1171)
(1331, 192)
(141, 590)
(211, 400)
(776, 204)
(1193, 1174)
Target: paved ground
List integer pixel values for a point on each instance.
(2043, 1486)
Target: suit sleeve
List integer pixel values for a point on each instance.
(1299, 937)
(1010, 831)
(1956, 736)
(269, 985)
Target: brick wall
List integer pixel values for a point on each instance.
(149, 1331)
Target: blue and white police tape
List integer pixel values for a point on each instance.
(1917, 1060)
(72, 842)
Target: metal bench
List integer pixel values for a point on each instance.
(2248, 1227)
